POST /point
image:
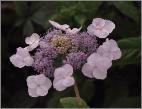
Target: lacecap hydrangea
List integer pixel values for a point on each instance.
(62, 51)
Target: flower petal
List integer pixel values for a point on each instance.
(68, 81)
(98, 22)
(87, 70)
(40, 79)
(28, 61)
(31, 82)
(99, 73)
(32, 92)
(109, 26)
(33, 38)
(17, 61)
(41, 91)
(58, 85)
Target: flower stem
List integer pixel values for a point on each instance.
(77, 92)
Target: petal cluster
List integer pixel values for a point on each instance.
(21, 58)
(63, 77)
(110, 49)
(96, 66)
(38, 85)
(101, 27)
(98, 63)
(32, 41)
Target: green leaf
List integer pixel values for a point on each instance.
(131, 53)
(127, 102)
(128, 9)
(28, 28)
(71, 102)
(21, 100)
(21, 8)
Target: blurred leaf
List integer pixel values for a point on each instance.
(71, 102)
(127, 8)
(115, 89)
(85, 91)
(21, 8)
(80, 19)
(28, 28)
(21, 100)
(127, 102)
(131, 52)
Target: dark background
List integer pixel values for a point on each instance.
(122, 88)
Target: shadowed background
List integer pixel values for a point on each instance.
(122, 87)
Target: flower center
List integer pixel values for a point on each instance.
(62, 43)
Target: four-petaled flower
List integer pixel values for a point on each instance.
(38, 85)
(110, 49)
(100, 27)
(96, 66)
(21, 58)
(63, 77)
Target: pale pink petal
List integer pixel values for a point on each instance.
(58, 85)
(93, 59)
(22, 52)
(69, 69)
(99, 73)
(31, 81)
(17, 61)
(98, 22)
(109, 26)
(87, 70)
(33, 46)
(101, 33)
(68, 81)
(32, 92)
(40, 79)
(33, 38)
(41, 91)
(73, 31)
(28, 61)
(62, 72)
(58, 26)
(47, 83)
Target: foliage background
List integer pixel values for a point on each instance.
(122, 88)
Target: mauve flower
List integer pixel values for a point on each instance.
(96, 66)
(38, 85)
(110, 49)
(101, 27)
(21, 58)
(85, 42)
(32, 41)
(63, 77)
(76, 59)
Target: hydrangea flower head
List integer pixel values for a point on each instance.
(63, 51)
